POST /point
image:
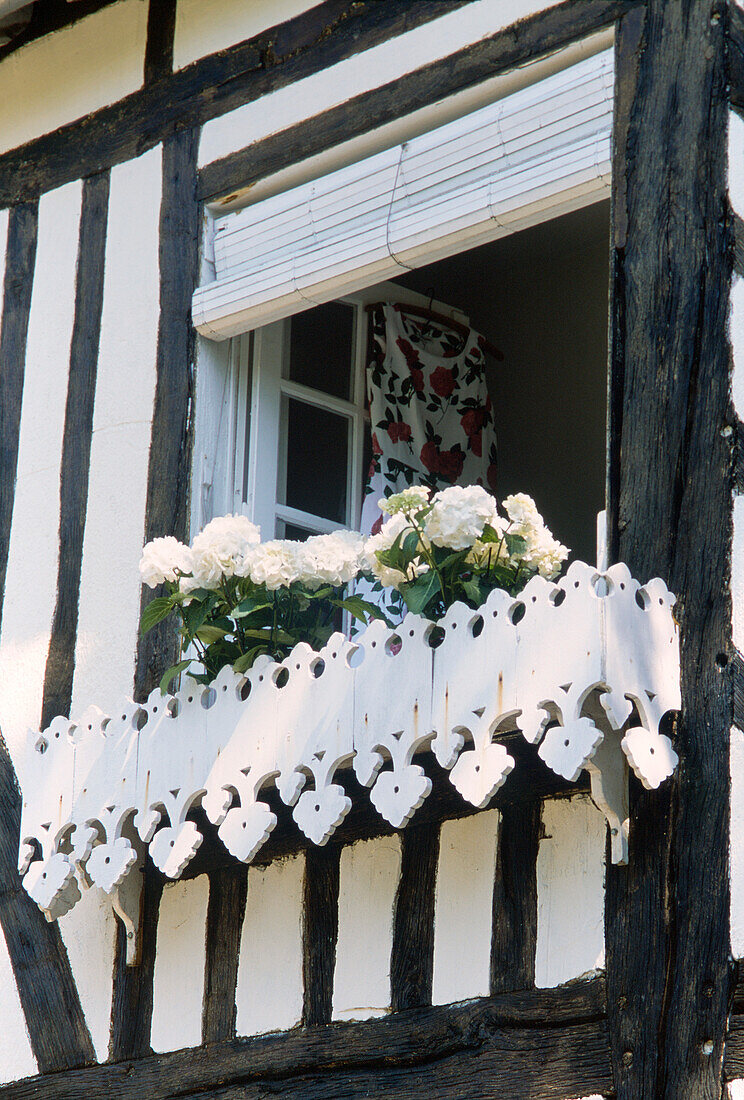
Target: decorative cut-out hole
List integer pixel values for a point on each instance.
(281, 676)
(477, 767)
(534, 599)
(317, 807)
(224, 687)
(334, 655)
(476, 626)
(434, 636)
(190, 699)
(90, 725)
(154, 710)
(576, 584)
(516, 614)
(640, 599)
(393, 645)
(42, 746)
(244, 690)
(208, 698)
(566, 742)
(652, 750)
(622, 589)
(318, 667)
(107, 859)
(355, 656)
(396, 790)
(557, 597)
(56, 734)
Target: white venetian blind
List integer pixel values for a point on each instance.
(534, 154)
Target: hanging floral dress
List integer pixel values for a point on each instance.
(430, 411)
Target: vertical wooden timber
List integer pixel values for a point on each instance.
(166, 514)
(161, 28)
(412, 955)
(669, 500)
(56, 1025)
(170, 442)
(514, 927)
(319, 931)
(78, 432)
(131, 1008)
(228, 889)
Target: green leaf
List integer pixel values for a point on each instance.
(244, 663)
(417, 594)
(174, 670)
(248, 606)
(489, 535)
(194, 615)
(410, 543)
(359, 608)
(473, 592)
(154, 613)
(209, 634)
(515, 544)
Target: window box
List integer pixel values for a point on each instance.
(586, 667)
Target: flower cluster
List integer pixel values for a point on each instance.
(456, 545)
(237, 597)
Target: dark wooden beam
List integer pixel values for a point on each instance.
(161, 29)
(531, 780)
(516, 45)
(514, 925)
(228, 890)
(281, 55)
(738, 231)
(76, 443)
(738, 456)
(412, 956)
(166, 510)
(736, 56)
(131, 1008)
(48, 16)
(667, 912)
(49, 998)
(319, 932)
(546, 1043)
(737, 676)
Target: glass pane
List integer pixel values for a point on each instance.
(317, 448)
(320, 348)
(291, 531)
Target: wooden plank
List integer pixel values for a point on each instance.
(736, 56)
(309, 43)
(227, 893)
(491, 1043)
(667, 912)
(738, 228)
(131, 1008)
(170, 441)
(76, 443)
(530, 38)
(319, 932)
(161, 29)
(53, 15)
(530, 780)
(738, 479)
(412, 956)
(514, 928)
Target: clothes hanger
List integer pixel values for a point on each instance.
(442, 319)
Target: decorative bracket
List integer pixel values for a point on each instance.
(585, 668)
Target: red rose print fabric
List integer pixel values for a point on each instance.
(430, 411)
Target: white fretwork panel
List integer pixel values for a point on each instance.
(585, 667)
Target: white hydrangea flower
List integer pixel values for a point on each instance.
(458, 516)
(409, 500)
(223, 549)
(388, 578)
(279, 563)
(543, 553)
(332, 559)
(163, 559)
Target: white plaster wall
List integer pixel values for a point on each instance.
(89, 934)
(178, 981)
(31, 581)
(65, 75)
(369, 876)
(371, 69)
(203, 28)
(737, 843)
(16, 1057)
(463, 908)
(570, 891)
(125, 389)
(269, 988)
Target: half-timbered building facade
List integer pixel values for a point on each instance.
(199, 202)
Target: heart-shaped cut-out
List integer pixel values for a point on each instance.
(52, 885)
(650, 755)
(480, 772)
(566, 749)
(172, 849)
(319, 813)
(398, 794)
(245, 829)
(109, 863)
